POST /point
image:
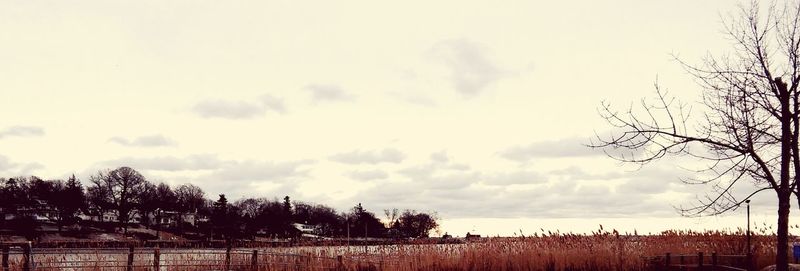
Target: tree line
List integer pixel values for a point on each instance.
(29, 203)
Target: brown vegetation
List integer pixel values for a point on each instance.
(600, 250)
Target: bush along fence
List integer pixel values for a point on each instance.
(26, 258)
(701, 261)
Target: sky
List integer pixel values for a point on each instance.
(477, 110)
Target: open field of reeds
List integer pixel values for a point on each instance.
(553, 251)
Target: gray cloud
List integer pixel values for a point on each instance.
(440, 157)
(16, 168)
(5, 163)
(239, 109)
(273, 103)
(328, 93)
(228, 109)
(21, 131)
(368, 175)
(169, 163)
(516, 177)
(457, 191)
(250, 170)
(239, 178)
(144, 141)
(568, 147)
(471, 70)
(370, 157)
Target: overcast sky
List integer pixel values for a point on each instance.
(474, 109)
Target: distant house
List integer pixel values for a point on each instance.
(305, 228)
(39, 210)
(472, 236)
(173, 218)
(307, 231)
(111, 216)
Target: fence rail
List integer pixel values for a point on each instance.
(27, 258)
(701, 262)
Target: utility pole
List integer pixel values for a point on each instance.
(748, 227)
(348, 234)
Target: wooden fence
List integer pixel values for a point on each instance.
(26, 258)
(702, 262)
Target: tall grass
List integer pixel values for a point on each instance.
(598, 251)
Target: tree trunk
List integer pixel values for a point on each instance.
(781, 258)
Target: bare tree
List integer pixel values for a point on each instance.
(749, 124)
(122, 186)
(189, 199)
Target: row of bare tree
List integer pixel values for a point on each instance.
(133, 200)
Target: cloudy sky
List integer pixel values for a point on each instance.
(474, 109)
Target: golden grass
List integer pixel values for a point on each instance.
(550, 251)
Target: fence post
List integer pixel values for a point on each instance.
(339, 264)
(713, 261)
(254, 260)
(682, 262)
(228, 258)
(749, 261)
(26, 256)
(667, 261)
(157, 259)
(130, 258)
(700, 260)
(5, 257)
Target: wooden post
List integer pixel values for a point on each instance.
(228, 258)
(700, 260)
(254, 260)
(156, 259)
(667, 261)
(749, 261)
(26, 256)
(682, 262)
(130, 258)
(339, 264)
(713, 261)
(6, 252)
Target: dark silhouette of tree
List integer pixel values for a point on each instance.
(273, 219)
(122, 187)
(98, 200)
(69, 199)
(166, 200)
(327, 221)
(364, 223)
(148, 203)
(190, 198)
(415, 225)
(11, 197)
(225, 219)
(750, 122)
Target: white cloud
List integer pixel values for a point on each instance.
(168, 163)
(228, 109)
(328, 93)
(144, 141)
(246, 109)
(273, 103)
(369, 157)
(368, 175)
(21, 131)
(567, 147)
(471, 70)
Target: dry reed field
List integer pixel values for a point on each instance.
(549, 251)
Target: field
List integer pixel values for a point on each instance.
(553, 251)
